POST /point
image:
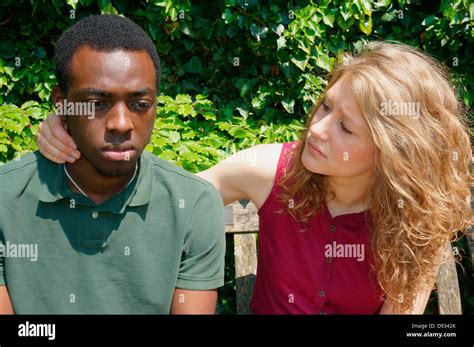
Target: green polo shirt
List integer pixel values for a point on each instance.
(126, 255)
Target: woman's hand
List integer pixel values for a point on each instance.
(55, 143)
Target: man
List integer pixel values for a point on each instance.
(120, 230)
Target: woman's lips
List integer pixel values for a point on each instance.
(315, 150)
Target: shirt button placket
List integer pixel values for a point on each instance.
(322, 293)
(94, 238)
(332, 230)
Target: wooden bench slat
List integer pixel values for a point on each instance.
(244, 220)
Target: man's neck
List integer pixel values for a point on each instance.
(98, 187)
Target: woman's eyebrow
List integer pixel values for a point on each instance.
(345, 115)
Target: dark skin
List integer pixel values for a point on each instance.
(122, 85)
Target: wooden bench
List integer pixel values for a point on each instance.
(242, 223)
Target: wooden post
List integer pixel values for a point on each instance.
(470, 231)
(245, 252)
(243, 223)
(449, 298)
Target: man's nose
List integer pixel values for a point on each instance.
(119, 119)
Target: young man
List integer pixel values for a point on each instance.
(120, 230)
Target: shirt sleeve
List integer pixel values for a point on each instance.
(202, 262)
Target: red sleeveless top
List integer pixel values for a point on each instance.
(323, 270)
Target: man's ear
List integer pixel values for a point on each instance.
(59, 96)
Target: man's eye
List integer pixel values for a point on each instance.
(98, 104)
(142, 106)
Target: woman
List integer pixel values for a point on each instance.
(356, 216)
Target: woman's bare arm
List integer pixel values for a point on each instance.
(248, 174)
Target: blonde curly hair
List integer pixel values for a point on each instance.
(420, 197)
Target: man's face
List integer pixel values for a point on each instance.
(122, 86)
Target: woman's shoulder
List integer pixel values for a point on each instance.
(268, 156)
(265, 170)
(271, 149)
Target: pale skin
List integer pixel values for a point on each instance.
(338, 130)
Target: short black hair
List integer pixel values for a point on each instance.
(104, 33)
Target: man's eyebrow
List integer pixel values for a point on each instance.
(105, 94)
(94, 91)
(141, 92)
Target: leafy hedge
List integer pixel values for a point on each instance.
(235, 72)
(254, 63)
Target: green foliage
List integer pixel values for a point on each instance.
(190, 132)
(18, 129)
(265, 59)
(235, 73)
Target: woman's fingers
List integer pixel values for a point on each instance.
(56, 143)
(59, 130)
(50, 152)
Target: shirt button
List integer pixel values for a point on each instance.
(332, 227)
(322, 312)
(95, 214)
(322, 293)
(328, 259)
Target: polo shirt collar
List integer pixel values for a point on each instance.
(54, 188)
(142, 193)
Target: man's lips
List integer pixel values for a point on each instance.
(119, 153)
(315, 149)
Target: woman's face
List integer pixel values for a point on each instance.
(339, 142)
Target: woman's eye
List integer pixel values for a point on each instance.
(325, 107)
(344, 128)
